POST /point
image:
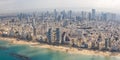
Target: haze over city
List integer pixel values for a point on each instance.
(7, 6)
(59, 30)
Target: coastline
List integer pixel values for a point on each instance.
(70, 50)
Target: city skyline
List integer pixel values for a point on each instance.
(7, 6)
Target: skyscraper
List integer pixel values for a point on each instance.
(20, 16)
(63, 13)
(58, 35)
(70, 14)
(83, 15)
(28, 19)
(89, 16)
(49, 35)
(93, 14)
(55, 14)
(34, 28)
(104, 16)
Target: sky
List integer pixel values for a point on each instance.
(22, 5)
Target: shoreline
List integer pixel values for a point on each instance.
(70, 50)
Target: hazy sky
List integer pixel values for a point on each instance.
(19, 5)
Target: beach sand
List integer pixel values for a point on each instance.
(69, 50)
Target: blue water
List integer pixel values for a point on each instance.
(42, 54)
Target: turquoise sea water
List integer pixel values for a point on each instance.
(33, 53)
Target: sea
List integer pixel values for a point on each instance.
(25, 52)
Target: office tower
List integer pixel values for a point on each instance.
(34, 28)
(83, 15)
(28, 19)
(58, 35)
(55, 14)
(70, 14)
(49, 35)
(33, 22)
(63, 13)
(89, 16)
(47, 14)
(59, 17)
(20, 16)
(104, 16)
(93, 14)
(42, 16)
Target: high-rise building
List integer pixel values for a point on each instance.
(55, 14)
(89, 16)
(49, 35)
(104, 16)
(106, 43)
(58, 35)
(63, 13)
(63, 37)
(83, 15)
(34, 28)
(59, 17)
(70, 14)
(20, 16)
(42, 16)
(93, 14)
(33, 22)
(28, 19)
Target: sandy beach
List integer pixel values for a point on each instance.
(69, 50)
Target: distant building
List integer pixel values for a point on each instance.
(104, 17)
(28, 19)
(78, 18)
(63, 13)
(83, 15)
(89, 16)
(93, 14)
(55, 14)
(33, 22)
(70, 14)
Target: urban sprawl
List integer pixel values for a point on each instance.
(86, 30)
